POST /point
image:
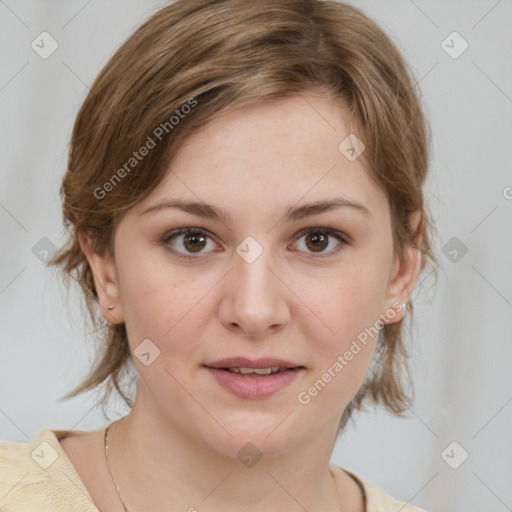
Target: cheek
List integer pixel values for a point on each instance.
(349, 301)
(342, 359)
(163, 303)
(344, 331)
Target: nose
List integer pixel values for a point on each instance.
(254, 300)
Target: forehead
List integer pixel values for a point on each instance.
(290, 128)
(269, 155)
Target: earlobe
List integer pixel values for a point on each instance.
(105, 280)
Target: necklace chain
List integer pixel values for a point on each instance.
(108, 465)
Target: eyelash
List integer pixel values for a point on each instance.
(341, 237)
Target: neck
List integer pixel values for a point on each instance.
(157, 465)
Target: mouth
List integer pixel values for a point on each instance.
(254, 367)
(258, 372)
(254, 379)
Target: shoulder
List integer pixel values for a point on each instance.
(378, 500)
(37, 475)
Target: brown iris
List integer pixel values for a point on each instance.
(194, 242)
(317, 241)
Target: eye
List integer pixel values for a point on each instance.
(186, 242)
(321, 241)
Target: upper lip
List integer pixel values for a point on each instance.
(242, 362)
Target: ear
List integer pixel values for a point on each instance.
(404, 274)
(105, 280)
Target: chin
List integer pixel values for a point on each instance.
(256, 437)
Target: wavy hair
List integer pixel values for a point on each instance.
(225, 54)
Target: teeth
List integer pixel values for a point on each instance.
(259, 371)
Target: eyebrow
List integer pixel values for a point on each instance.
(209, 211)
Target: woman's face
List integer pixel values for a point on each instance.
(290, 257)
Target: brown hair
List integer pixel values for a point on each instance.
(216, 56)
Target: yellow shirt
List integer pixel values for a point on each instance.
(39, 477)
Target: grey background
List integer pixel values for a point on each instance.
(462, 344)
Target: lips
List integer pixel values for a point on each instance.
(242, 362)
(252, 385)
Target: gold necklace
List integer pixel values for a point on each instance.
(112, 476)
(108, 465)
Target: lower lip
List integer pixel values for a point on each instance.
(257, 386)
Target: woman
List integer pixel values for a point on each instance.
(247, 224)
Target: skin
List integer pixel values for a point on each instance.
(179, 442)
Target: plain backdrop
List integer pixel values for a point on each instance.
(453, 452)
